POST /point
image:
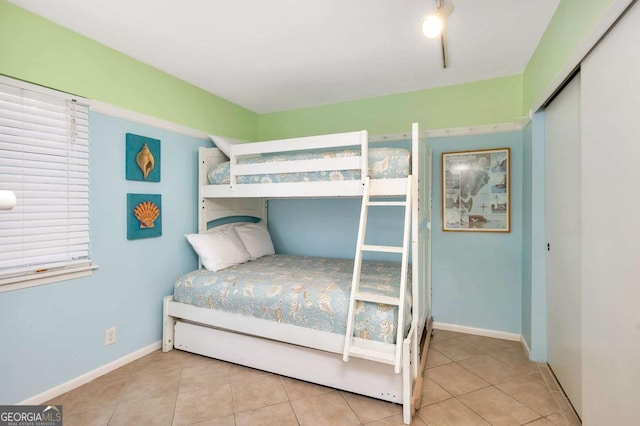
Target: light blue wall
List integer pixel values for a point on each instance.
(329, 227)
(477, 277)
(54, 333)
(538, 343)
(526, 232)
(534, 291)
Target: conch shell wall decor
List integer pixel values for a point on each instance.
(146, 212)
(145, 161)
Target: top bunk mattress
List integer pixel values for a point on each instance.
(384, 163)
(309, 292)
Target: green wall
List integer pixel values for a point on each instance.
(571, 24)
(39, 51)
(481, 102)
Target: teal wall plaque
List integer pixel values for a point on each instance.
(144, 216)
(143, 158)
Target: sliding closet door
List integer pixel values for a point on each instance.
(611, 226)
(563, 189)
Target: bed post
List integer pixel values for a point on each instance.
(364, 152)
(411, 344)
(168, 324)
(417, 214)
(407, 373)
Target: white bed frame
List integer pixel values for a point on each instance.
(289, 350)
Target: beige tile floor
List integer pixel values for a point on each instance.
(469, 380)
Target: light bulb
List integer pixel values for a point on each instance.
(432, 26)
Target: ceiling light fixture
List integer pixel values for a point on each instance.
(434, 25)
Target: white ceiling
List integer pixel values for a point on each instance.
(275, 55)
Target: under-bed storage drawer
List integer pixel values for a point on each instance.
(358, 375)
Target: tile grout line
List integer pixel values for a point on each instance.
(472, 410)
(286, 392)
(115, 407)
(175, 404)
(491, 384)
(545, 366)
(563, 396)
(525, 405)
(294, 412)
(350, 407)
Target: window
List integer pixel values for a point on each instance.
(44, 160)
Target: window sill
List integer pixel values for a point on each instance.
(46, 277)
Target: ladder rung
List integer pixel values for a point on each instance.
(372, 355)
(387, 203)
(385, 249)
(377, 298)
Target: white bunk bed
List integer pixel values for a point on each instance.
(290, 350)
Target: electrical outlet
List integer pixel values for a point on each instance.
(110, 336)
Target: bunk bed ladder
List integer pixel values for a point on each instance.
(362, 348)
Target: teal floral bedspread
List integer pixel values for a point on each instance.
(384, 163)
(305, 291)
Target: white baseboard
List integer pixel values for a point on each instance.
(525, 346)
(477, 331)
(91, 375)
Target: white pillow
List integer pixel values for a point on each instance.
(224, 143)
(256, 239)
(219, 249)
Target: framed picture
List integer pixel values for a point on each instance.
(475, 191)
(142, 158)
(144, 216)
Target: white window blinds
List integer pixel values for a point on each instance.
(44, 159)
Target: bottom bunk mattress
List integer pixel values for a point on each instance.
(309, 292)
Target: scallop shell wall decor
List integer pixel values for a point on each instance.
(144, 216)
(142, 158)
(146, 212)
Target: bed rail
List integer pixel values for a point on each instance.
(351, 139)
(210, 157)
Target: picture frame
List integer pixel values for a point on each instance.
(143, 162)
(144, 216)
(476, 191)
